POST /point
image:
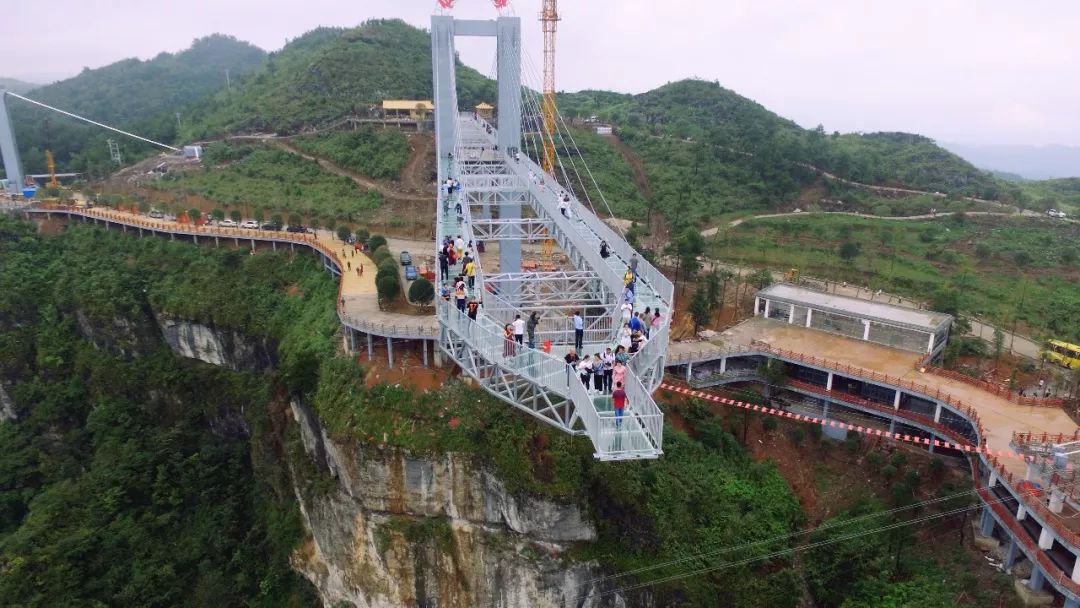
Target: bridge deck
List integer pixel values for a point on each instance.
(1000, 417)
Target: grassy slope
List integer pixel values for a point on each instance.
(380, 154)
(999, 266)
(272, 180)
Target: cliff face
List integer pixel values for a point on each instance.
(402, 530)
(216, 346)
(397, 530)
(7, 407)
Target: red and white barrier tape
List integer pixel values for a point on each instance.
(937, 443)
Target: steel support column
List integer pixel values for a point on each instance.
(9, 150)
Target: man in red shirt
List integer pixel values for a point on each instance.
(618, 399)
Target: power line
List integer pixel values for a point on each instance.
(781, 552)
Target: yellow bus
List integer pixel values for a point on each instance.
(1062, 353)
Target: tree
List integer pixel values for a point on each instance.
(218, 214)
(999, 342)
(295, 219)
(362, 234)
(1022, 258)
(774, 374)
(375, 241)
(760, 278)
(422, 291)
(315, 222)
(277, 220)
(343, 232)
(699, 308)
(260, 215)
(849, 251)
(715, 289)
(330, 223)
(235, 215)
(144, 206)
(387, 287)
(194, 215)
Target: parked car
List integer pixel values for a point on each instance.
(410, 273)
(296, 228)
(406, 258)
(271, 226)
(227, 224)
(154, 213)
(250, 224)
(1055, 213)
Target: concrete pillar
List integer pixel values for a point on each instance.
(1076, 571)
(274, 245)
(825, 411)
(937, 413)
(896, 400)
(390, 352)
(986, 524)
(217, 241)
(866, 329)
(723, 364)
(809, 316)
(791, 315)
(1029, 472)
(1057, 500)
(689, 371)
(828, 382)
(930, 346)
(370, 347)
(1021, 513)
(892, 425)
(345, 343)
(993, 479)
(437, 352)
(253, 244)
(757, 306)
(1011, 553)
(172, 235)
(9, 150)
(1035, 583)
(767, 308)
(1046, 538)
(423, 348)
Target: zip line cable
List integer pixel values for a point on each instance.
(93, 122)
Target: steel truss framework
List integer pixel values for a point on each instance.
(500, 201)
(509, 385)
(524, 229)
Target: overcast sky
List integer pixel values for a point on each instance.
(972, 71)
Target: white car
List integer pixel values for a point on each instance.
(1055, 213)
(227, 224)
(250, 224)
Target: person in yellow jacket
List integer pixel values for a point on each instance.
(470, 271)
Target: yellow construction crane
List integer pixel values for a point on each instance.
(51, 164)
(549, 17)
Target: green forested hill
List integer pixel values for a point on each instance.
(328, 73)
(141, 96)
(710, 151)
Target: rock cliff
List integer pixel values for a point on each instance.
(405, 530)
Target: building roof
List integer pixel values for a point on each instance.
(483, 105)
(926, 320)
(407, 104)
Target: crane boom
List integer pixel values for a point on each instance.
(549, 18)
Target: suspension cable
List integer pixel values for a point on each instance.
(93, 122)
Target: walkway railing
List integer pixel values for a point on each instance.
(990, 387)
(926, 421)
